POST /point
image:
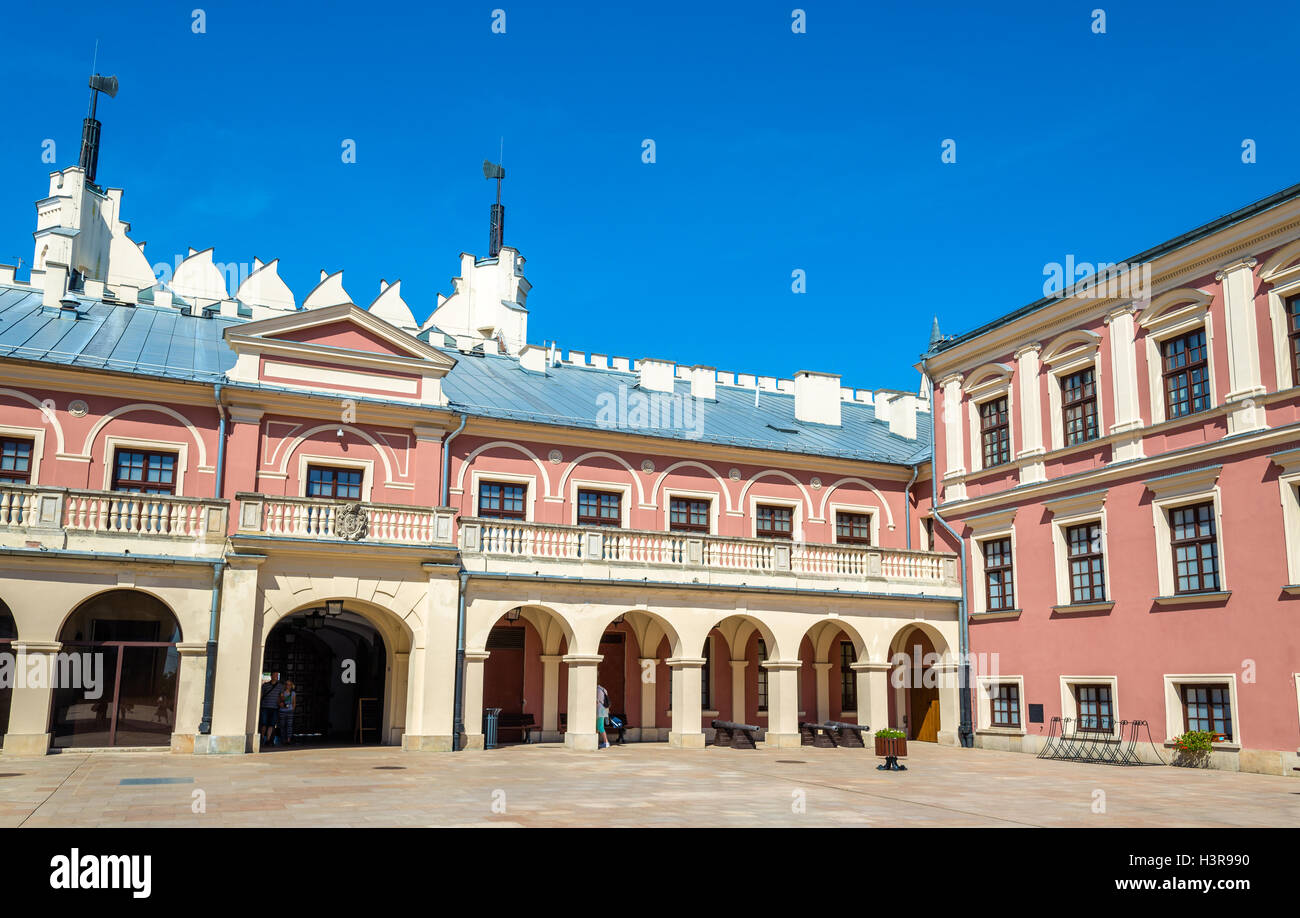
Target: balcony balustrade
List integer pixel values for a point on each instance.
(323, 520)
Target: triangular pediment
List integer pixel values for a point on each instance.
(340, 349)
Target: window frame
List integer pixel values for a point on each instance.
(365, 466)
(848, 677)
(868, 520)
(12, 477)
(1074, 352)
(988, 691)
(1105, 722)
(1291, 314)
(999, 524)
(986, 429)
(1227, 701)
(1097, 554)
(1171, 315)
(615, 522)
(1089, 404)
(1176, 490)
(115, 481)
(1196, 541)
(1008, 585)
(500, 513)
(1011, 704)
(704, 528)
(760, 533)
(577, 486)
(335, 471)
(760, 689)
(1166, 373)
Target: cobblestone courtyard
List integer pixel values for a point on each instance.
(633, 785)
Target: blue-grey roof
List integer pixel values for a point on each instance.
(162, 342)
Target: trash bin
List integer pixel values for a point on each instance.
(490, 716)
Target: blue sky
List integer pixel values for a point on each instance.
(775, 152)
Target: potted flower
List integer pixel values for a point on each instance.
(1192, 749)
(891, 745)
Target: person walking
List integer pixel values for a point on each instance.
(602, 712)
(288, 701)
(270, 712)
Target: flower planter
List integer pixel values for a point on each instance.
(891, 749)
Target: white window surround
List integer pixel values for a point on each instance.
(1077, 510)
(1178, 490)
(983, 528)
(1281, 276)
(112, 444)
(37, 436)
(711, 496)
(528, 481)
(1174, 723)
(796, 517)
(1080, 352)
(1289, 491)
(624, 504)
(365, 466)
(1170, 315)
(1070, 703)
(872, 512)
(984, 708)
(988, 383)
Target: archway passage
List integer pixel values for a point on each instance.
(117, 673)
(523, 678)
(8, 634)
(338, 665)
(916, 698)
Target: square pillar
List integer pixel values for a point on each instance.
(648, 691)
(1031, 410)
(189, 695)
(429, 723)
(1124, 382)
(551, 697)
(581, 731)
(823, 671)
(782, 703)
(472, 738)
(687, 692)
(31, 709)
(949, 675)
(738, 690)
(1245, 380)
(239, 631)
(873, 694)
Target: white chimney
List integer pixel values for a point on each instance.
(127, 293)
(704, 382)
(162, 298)
(6, 274)
(55, 283)
(656, 375)
(533, 358)
(817, 397)
(94, 289)
(901, 414)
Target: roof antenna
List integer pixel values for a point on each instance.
(89, 161)
(497, 227)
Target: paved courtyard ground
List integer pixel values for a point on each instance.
(633, 785)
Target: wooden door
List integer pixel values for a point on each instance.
(610, 671)
(925, 715)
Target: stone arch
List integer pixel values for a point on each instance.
(822, 632)
(777, 473)
(96, 594)
(602, 454)
(1074, 340)
(722, 485)
(482, 615)
(505, 444)
(383, 453)
(172, 413)
(851, 479)
(1283, 259)
(44, 409)
(1172, 300)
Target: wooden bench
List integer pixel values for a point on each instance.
(851, 735)
(521, 722)
(819, 735)
(737, 736)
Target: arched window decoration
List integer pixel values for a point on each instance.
(8, 634)
(116, 675)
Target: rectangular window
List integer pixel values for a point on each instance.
(331, 482)
(1087, 566)
(600, 508)
(1095, 712)
(500, 500)
(848, 678)
(1208, 708)
(1195, 548)
(15, 461)
(142, 472)
(928, 524)
(1293, 336)
(999, 578)
(762, 675)
(853, 528)
(687, 514)
(775, 522)
(706, 676)
(1006, 705)
(1079, 407)
(995, 432)
(1186, 374)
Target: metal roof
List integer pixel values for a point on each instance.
(163, 342)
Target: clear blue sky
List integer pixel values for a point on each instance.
(775, 152)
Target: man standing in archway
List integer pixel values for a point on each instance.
(270, 712)
(602, 712)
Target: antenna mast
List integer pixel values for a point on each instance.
(90, 127)
(497, 222)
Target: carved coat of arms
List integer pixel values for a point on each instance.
(351, 522)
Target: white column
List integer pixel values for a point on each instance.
(30, 708)
(949, 703)
(238, 651)
(581, 730)
(782, 703)
(649, 691)
(551, 697)
(823, 670)
(738, 690)
(954, 444)
(1245, 381)
(1124, 382)
(873, 694)
(1031, 411)
(687, 702)
(474, 665)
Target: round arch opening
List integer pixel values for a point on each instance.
(116, 676)
(8, 634)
